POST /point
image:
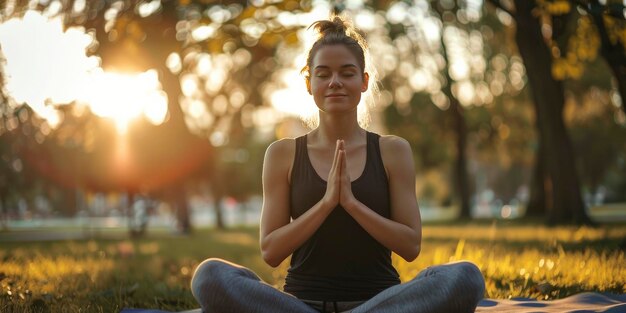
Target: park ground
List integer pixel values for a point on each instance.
(107, 271)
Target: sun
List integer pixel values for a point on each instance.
(124, 97)
(51, 68)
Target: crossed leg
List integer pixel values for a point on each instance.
(452, 287)
(223, 287)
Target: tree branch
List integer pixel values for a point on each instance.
(615, 10)
(595, 11)
(500, 6)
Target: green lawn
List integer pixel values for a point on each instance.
(106, 275)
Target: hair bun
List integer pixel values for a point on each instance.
(338, 27)
(334, 26)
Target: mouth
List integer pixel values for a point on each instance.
(335, 95)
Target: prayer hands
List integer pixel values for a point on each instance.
(346, 198)
(333, 186)
(339, 185)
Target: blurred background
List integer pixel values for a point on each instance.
(132, 115)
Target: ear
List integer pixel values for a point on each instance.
(307, 80)
(366, 79)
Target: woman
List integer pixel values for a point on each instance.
(338, 200)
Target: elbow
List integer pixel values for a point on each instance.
(270, 259)
(412, 253)
(414, 247)
(268, 255)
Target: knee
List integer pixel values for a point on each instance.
(471, 277)
(207, 276)
(468, 269)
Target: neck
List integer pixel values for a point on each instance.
(334, 127)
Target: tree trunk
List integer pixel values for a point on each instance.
(130, 213)
(219, 216)
(216, 190)
(70, 203)
(462, 177)
(613, 53)
(4, 214)
(178, 129)
(562, 188)
(537, 203)
(182, 210)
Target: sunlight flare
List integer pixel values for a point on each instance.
(125, 97)
(52, 69)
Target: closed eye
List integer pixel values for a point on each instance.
(322, 74)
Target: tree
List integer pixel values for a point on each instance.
(599, 27)
(407, 32)
(177, 38)
(598, 130)
(555, 183)
(439, 50)
(9, 164)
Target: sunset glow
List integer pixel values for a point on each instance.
(52, 69)
(124, 97)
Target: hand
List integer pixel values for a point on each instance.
(333, 186)
(346, 197)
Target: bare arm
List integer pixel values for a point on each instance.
(402, 233)
(280, 237)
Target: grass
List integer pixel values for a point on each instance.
(106, 275)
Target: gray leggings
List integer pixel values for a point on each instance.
(223, 287)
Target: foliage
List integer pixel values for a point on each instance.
(212, 61)
(577, 32)
(218, 63)
(423, 125)
(104, 275)
(465, 67)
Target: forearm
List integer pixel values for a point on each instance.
(397, 237)
(282, 242)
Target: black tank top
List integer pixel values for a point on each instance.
(341, 261)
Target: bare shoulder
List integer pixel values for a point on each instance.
(281, 147)
(396, 153)
(392, 146)
(279, 156)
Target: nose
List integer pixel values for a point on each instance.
(335, 82)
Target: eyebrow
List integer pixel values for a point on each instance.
(343, 66)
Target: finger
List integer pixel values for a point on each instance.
(339, 163)
(344, 164)
(336, 156)
(340, 150)
(336, 162)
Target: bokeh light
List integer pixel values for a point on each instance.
(53, 69)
